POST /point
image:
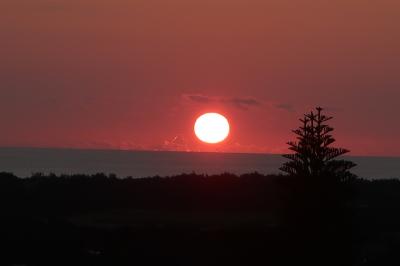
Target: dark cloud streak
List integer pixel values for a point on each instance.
(286, 107)
(243, 103)
(199, 98)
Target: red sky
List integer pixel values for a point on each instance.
(135, 74)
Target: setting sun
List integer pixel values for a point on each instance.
(211, 128)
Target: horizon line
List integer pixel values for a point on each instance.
(176, 151)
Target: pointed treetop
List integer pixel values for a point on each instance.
(313, 156)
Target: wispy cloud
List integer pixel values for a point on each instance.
(177, 143)
(285, 106)
(198, 98)
(242, 103)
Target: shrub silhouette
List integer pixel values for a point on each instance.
(313, 156)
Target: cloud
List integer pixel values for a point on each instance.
(198, 98)
(285, 106)
(243, 103)
(178, 143)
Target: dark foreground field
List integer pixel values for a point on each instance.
(197, 220)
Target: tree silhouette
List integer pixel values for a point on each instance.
(313, 156)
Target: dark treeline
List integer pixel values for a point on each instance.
(67, 195)
(193, 219)
(61, 195)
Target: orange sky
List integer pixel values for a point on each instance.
(135, 74)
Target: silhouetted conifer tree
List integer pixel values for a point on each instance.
(313, 156)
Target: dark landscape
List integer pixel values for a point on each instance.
(193, 219)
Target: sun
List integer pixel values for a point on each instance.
(211, 128)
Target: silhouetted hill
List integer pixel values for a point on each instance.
(192, 219)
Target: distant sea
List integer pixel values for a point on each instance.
(25, 161)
